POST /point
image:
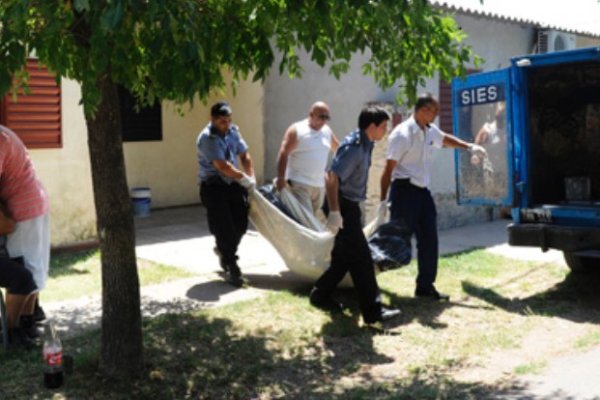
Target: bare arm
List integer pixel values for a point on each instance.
(290, 141)
(334, 143)
(229, 170)
(332, 187)
(7, 223)
(247, 163)
(386, 178)
(481, 137)
(454, 142)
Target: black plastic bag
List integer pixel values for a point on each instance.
(391, 246)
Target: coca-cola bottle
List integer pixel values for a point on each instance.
(53, 363)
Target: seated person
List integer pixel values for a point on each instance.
(19, 283)
(20, 286)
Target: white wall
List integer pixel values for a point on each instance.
(170, 167)
(288, 100)
(66, 174)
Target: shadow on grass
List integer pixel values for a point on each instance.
(576, 298)
(424, 311)
(62, 264)
(194, 356)
(210, 291)
(465, 252)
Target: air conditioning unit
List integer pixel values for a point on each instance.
(549, 41)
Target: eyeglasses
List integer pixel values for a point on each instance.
(324, 117)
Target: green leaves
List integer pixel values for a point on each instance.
(81, 5)
(112, 16)
(179, 49)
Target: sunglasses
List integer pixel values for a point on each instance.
(324, 117)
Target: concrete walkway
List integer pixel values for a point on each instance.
(180, 237)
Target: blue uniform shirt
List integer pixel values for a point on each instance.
(351, 164)
(212, 146)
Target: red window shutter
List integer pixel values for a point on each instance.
(36, 116)
(445, 114)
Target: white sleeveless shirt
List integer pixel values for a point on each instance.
(307, 162)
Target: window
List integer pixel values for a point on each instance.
(36, 116)
(446, 104)
(144, 124)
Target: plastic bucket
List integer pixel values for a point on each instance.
(141, 199)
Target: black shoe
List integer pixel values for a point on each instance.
(389, 313)
(385, 315)
(221, 262)
(432, 294)
(234, 275)
(29, 326)
(324, 302)
(38, 312)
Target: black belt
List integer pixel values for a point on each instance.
(405, 182)
(214, 181)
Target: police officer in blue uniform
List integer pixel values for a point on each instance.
(224, 186)
(346, 187)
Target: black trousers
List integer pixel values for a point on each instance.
(227, 213)
(415, 206)
(15, 277)
(351, 254)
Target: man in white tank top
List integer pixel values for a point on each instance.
(303, 157)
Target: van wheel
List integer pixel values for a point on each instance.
(579, 264)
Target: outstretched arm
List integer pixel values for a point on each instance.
(228, 169)
(454, 142)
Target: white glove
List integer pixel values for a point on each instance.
(249, 182)
(334, 222)
(382, 210)
(477, 150)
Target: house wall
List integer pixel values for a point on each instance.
(168, 167)
(586, 41)
(288, 100)
(66, 174)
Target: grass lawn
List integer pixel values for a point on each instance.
(74, 275)
(506, 319)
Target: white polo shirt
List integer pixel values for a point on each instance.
(412, 148)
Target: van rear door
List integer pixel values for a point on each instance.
(482, 114)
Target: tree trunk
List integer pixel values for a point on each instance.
(122, 351)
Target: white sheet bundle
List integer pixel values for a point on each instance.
(305, 251)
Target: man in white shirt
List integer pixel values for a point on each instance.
(303, 157)
(407, 169)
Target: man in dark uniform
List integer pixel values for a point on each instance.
(346, 187)
(224, 186)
